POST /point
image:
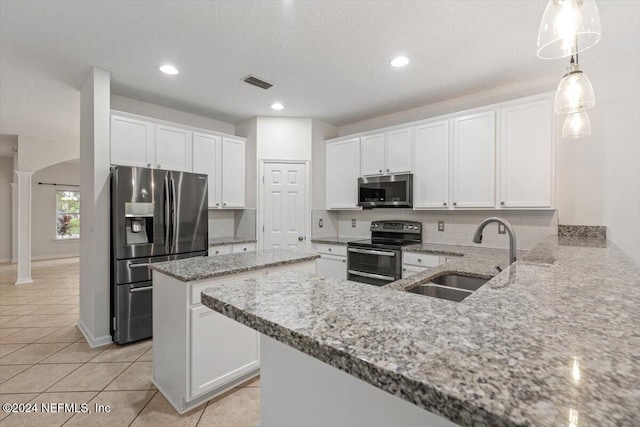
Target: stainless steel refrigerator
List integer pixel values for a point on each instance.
(156, 215)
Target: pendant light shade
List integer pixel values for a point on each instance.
(567, 28)
(576, 125)
(574, 94)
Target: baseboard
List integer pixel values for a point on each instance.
(5, 260)
(93, 342)
(55, 256)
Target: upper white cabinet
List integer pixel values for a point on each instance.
(399, 151)
(526, 155)
(431, 174)
(173, 148)
(372, 161)
(473, 168)
(342, 173)
(387, 153)
(132, 142)
(206, 160)
(232, 173)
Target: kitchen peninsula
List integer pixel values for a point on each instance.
(198, 353)
(550, 341)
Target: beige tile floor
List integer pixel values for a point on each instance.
(44, 358)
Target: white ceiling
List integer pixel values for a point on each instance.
(327, 59)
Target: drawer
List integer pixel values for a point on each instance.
(423, 260)
(220, 250)
(244, 247)
(410, 270)
(339, 250)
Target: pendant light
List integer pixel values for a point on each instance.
(576, 125)
(574, 92)
(567, 28)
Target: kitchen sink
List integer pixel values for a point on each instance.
(452, 287)
(442, 292)
(460, 282)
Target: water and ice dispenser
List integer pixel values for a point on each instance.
(139, 223)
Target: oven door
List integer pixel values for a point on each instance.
(373, 266)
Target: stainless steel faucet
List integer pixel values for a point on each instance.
(477, 238)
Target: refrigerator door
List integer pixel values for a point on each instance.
(139, 212)
(189, 219)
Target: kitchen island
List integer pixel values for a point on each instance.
(551, 341)
(198, 353)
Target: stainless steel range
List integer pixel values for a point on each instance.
(378, 261)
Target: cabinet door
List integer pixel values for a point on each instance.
(206, 159)
(526, 152)
(410, 270)
(220, 250)
(244, 247)
(132, 142)
(173, 148)
(431, 172)
(233, 171)
(474, 161)
(372, 155)
(399, 153)
(343, 171)
(332, 266)
(221, 350)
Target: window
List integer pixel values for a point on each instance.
(67, 214)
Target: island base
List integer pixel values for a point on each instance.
(297, 390)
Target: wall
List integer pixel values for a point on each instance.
(598, 177)
(248, 129)
(134, 106)
(283, 138)
(6, 178)
(43, 220)
(37, 153)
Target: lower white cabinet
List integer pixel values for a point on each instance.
(243, 247)
(220, 250)
(232, 249)
(415, 262)
(210, 367)
(332, 266)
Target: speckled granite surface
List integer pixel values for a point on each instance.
(220, 241)
(589, 231)
(551, 341)
(199, 268)
(335, 240)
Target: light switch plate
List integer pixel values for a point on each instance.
(353, 223)
(320, 223)
(502, 229)
(440, 225)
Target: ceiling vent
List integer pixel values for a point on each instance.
(253, 80)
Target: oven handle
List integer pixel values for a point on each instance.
(371, 275)
(372, 252)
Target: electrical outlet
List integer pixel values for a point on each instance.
(440, 225)
(502, 229)
(353, 223)
(320, 223)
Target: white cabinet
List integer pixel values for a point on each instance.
(332, 266)
(206, 160)
(399, 151)
(372, 160)
(243, 247)
(387, 153)
(473, 168)
(232, 173)
(220, 250)
(132, 142)
(234, 248)
(211, 367)
(173, 148)
(526, 155)
(431, 174)
(342, 173)
(416, 262)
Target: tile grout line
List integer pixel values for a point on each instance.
(145, 405)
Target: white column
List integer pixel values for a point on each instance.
(24, 227)
(14, 222)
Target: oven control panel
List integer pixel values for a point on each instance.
(396, 226)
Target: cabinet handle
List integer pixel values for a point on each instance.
(224, 204)
(244, 249)
(501, 203)
(380, 170)
(444, 203)
(330, 249)
(159, 165)
(387, 170)
(148, 165)
(217, 204)
(344, 260)
(419, 259)
(217, 252)
(455, 204)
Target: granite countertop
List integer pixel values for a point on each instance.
(198, 268)
(220, 241)
(551, 341)
(335, 240)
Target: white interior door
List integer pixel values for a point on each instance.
(284, 206)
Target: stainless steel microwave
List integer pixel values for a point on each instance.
(389, 191)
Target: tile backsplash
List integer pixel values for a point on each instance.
(459, 226)
(245, 223)
(221, 223)
(329, 223)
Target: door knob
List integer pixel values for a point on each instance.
(300, 238)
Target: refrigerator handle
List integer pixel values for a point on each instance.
(174, 215)
(167, 216)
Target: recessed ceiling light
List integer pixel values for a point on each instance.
(169, 69)
(277, 106)
(399, 61)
